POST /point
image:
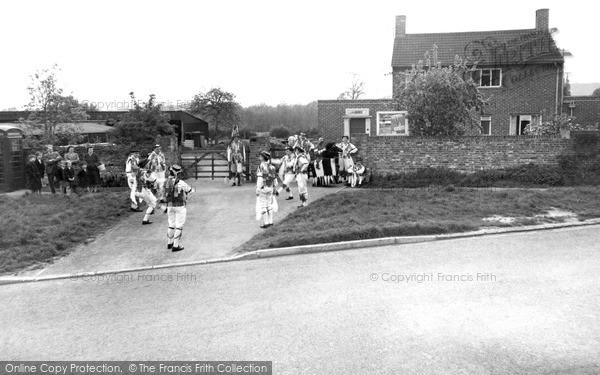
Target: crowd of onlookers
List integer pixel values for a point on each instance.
(68, 173)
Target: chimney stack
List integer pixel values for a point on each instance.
(541, 19)
(400, 26)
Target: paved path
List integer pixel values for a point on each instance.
(336, 313)
(219, 218)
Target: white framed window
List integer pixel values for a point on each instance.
(489, 77)
(486, 125)
(392, 123)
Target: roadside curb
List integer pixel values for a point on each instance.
(307, 249)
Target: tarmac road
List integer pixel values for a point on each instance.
(514, 303)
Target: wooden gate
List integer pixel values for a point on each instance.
(210, 164)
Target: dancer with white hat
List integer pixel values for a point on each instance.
(176, 192)
(266, 181)
(301, 170)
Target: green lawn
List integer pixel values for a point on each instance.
(36, 229)
(355, 214)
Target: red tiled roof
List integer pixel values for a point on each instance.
(489, 48)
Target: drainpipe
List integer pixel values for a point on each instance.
(558, 108)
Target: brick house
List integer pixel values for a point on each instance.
(585, 109)
(521, 71)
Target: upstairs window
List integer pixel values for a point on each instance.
(489, 77)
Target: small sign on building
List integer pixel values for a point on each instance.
(357, 112)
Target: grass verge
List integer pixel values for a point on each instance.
(36, 229)
(363, 214)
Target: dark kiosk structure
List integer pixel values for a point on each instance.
(12, 161)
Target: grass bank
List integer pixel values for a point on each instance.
(355, 214)
(36, 229)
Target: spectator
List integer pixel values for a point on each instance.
(39, 163)
(32, 176)
(69, 178)
(59, 175)
(346, 161)
(72, 156)
(51, 159)
(83, 177)
(93, 162)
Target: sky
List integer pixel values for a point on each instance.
(270, 52)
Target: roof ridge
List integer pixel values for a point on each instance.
(512, 31)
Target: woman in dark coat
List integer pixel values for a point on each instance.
(39, 163)
(93, 162)
(32, 176)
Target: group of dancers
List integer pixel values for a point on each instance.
(294, 166)
(148, 182)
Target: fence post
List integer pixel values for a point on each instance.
(248, 165)
(212, 166)
(196, 164)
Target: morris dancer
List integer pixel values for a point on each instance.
(266, 181)
(145, 185)
(177, 192)
(301, 170)
(158, 166)
(131, 170)
(236, 152)
(346, 158)
(317, 163)
(357, 172)
(286, 172)
(305, 144)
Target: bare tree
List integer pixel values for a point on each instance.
(355, 91)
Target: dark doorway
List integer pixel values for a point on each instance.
(358, 126)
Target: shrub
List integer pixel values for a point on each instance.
(280, 132)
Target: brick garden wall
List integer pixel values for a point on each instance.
(395, 154)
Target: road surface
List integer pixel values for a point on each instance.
(516, 303)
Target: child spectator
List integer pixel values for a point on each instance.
(83, 177)
(69, 178)
(59, 176)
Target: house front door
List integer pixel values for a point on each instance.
(524, 121)
(358, 126)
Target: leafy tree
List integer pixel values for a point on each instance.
(142, 124)
(355, 91)
(263, 117)
(49, 108)
(439, 100)
(596, 92)
(218, 108)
